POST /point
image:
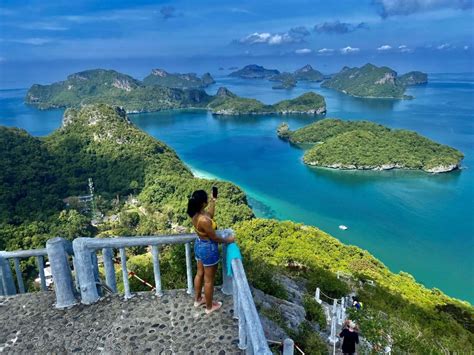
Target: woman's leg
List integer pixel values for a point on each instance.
(209, 277)
(198, 280)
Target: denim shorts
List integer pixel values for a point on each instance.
(206, 251)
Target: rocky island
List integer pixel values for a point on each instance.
(307, 73)
(160, 77)
(287, 80)
(414, 78)
(365, 145)
(113, 88)
(117, 89)
(254, 71)
(227, 103)
(370, 81)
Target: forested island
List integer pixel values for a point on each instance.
(142, 188)
(365, 145)
(114, 88)
(160, 77)
(286, 80)
(227, 103)
(370, 81)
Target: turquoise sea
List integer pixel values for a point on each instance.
(416, 222)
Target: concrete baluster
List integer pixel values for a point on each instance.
(332, 337)
(9, 287)
(95, 266)
(189, 270)
(317, 295)
(108, 255)
(339, 314)
(61, 273)
(288, 347)
(76, 278)
(156, 270)
(126, 285)
(334, 306)
(2, 292)
(40, 263)
(85, 271)
(19, 277)
(235, 299)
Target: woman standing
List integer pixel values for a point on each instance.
(351, 337)
(206, 249)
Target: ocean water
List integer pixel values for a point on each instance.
(413, 221)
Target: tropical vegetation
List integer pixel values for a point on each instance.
(141, 188)
(366, 145)
(368, 81)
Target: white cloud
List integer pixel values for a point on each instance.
(35, 41)
(466, 48)
(385, 47)
(349, 49)
(303, 51)
(43, 26)
(325, 50)
(404, 49)
(444, 46)
(294, 35)
(240, 10)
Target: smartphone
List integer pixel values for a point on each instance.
(214, 191)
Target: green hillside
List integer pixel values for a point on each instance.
(367, 81)
(227, 103)
(160, 77)
(113, 88)
(366, 145)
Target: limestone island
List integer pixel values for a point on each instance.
(287, 80)
(227, 103)
(117, 89)
(370, 81)
(365, 145)
(254, 71)
(160, 77)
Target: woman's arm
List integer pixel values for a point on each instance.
(211, 208)
(205, 226)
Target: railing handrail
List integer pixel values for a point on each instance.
(23, 253)
(251, 334)
(247, 308)
(123, 242)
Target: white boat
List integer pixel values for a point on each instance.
(343, 227)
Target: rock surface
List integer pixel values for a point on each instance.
(143, 324)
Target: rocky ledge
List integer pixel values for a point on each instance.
(390, 166)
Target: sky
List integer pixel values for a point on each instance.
(43, 40)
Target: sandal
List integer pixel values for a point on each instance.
(201, 302)
(215, 306)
